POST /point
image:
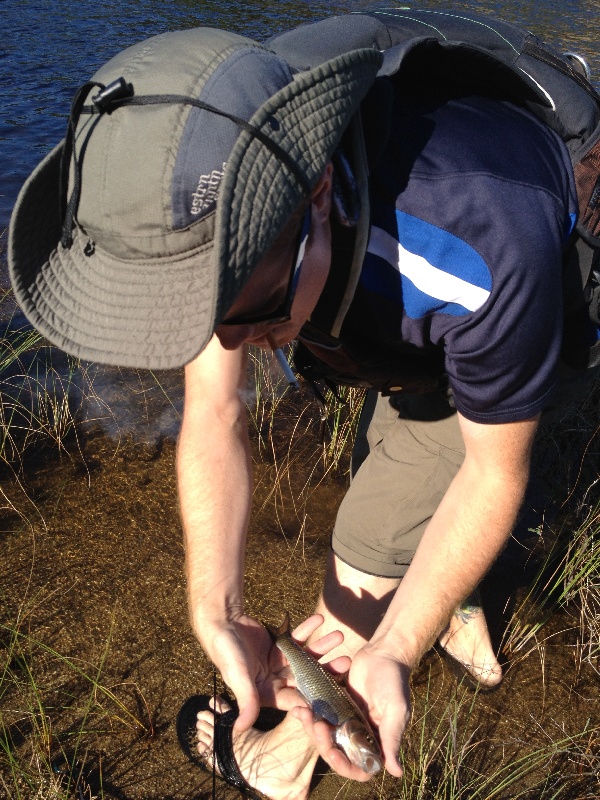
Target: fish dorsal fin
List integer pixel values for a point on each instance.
(282, 630)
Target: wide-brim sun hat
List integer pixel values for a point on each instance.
(171, 204)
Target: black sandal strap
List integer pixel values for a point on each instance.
(226, 762)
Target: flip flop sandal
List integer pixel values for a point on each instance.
(463, 675)
(228, 769)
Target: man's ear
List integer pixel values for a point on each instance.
(320, 197)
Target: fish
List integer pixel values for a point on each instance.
(330, 702)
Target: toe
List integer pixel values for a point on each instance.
(216, 706)
(220, 705)
(204, 738)
(489, 675)
(205, 726)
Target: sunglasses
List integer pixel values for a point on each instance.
(283, 312)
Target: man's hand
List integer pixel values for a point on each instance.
(240, 650)
(255, 670)
(378, 682)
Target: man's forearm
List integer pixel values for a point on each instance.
(215, 486)
(469, 529)
(215, 489)
(459, 546)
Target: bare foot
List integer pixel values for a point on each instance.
(467, 640)
(278, 763)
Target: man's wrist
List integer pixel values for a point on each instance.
(207, 617)
(405, 649)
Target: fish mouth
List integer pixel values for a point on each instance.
(369, 763)
(372, 765)
(359, 745)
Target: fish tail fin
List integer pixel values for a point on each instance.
(281, 630)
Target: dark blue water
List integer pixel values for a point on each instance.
(49, 47)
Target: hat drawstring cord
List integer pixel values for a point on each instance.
(257, 133)
(65, 163)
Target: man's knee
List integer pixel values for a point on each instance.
(354, 601)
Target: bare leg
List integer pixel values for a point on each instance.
(467, 639)
(280, 763)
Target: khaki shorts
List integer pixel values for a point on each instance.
(405, 457)
(406, 454)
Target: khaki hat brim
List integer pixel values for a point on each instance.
(148, 314)
(307, 118)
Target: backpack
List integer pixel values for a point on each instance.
(464, 52)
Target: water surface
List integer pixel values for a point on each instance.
(50, 47)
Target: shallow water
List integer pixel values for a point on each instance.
(94, 572)
(91, 540)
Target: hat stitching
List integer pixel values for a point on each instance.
(243, 191)
(296, 150)
(61, 285)
(79, 319)
(88, 301)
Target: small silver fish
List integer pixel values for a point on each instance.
(328, 700)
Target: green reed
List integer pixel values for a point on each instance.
(46, 728)
(567, 578)
(450, 752)
(340, 425)
(39, 389)
(329, 419)
(568, 548)
(264, 396)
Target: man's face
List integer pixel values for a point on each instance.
(267, 287)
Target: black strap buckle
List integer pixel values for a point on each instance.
(117, 90)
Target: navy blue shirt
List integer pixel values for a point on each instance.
(466, 252)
